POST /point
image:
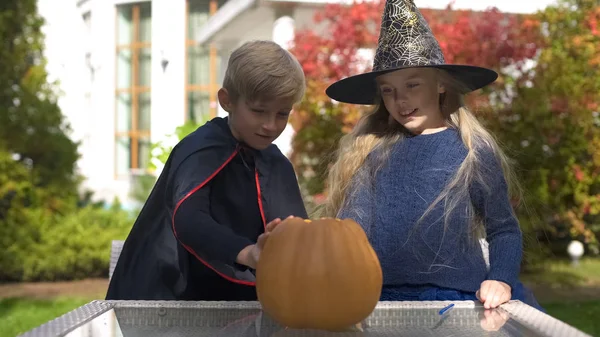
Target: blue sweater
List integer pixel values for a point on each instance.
(416, 171)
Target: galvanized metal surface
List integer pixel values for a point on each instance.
(237, 319)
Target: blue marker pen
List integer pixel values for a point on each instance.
(446, 309)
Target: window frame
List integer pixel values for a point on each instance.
(134, 134)
(212, 87)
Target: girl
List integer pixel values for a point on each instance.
(423, 177)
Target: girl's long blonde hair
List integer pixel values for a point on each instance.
(378, 130)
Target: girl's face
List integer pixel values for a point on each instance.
(411, 96)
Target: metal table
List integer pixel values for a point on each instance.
(245, 319)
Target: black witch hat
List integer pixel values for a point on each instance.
(405, 41)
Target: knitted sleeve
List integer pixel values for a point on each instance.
(491, 201)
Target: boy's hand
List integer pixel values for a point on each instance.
(260, 243)
(493, 293)
(271, 225)
(252, 252)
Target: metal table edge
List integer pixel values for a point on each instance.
(66, 323)
(257, 305)
(539, 321)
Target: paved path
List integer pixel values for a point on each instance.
(90, 288)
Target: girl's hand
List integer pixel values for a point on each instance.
(493, 320)
(493, 293)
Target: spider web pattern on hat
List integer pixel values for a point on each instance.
(405, 38)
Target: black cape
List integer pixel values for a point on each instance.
(153, 264)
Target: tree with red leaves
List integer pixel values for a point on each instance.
(552, 127)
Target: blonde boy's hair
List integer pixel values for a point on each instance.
(263, 70)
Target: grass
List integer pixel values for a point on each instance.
(561, 274)
(18, 315)
(582, 315)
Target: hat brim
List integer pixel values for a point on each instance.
(362, 89)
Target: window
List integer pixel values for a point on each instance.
(133, 71)
(202, 63)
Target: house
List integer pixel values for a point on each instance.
(131, 71)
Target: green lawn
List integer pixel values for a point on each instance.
(560, 274)
(582, 315)
(18, 315)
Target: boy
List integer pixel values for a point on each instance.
(198, 237)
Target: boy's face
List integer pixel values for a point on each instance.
(259, 123)
(411, 96)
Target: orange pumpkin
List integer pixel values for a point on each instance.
(320, 274)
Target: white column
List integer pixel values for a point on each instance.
(168, 70)
(101, 176)
(168, 67)
(283, 34)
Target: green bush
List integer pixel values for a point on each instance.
(44, 237)
(77, 245)
(67, 247)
